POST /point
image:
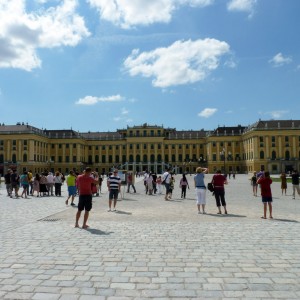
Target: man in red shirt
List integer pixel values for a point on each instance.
(84, 184)
(266, 195)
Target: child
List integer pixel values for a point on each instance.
(266, 195)
(171, 188)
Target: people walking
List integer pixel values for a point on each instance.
(283, 183)
(130, 182)
(183, 184)
(266, 195)
(254, 184)
(71, 183)
(8, 182)
(15, 182)
(114, 188)
(295, 183)
(159, 185)
(166, 179)
(57, 184)
(200, 189)
(24, 181)
(218, 182)
(36, 184)
(50, 183)
(84, 183)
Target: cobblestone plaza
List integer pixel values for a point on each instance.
(151, 248)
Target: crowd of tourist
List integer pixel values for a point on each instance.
(89, 183)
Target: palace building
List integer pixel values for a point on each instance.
(270, 145)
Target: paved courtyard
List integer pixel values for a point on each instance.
(151, 248)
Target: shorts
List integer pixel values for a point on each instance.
(72, 190)
(25, 186)
(113, 194)
(85, 202)
(266, 199)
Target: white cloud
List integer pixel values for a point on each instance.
(181, 63)
(207, 112)
(128, 13)
(124, 111)
(242, 5)
(22, 33)
(276, 114)
(279, 60)
(90, 100)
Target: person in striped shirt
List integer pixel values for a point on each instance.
(114, 187)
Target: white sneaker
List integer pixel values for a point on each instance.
(109, 209)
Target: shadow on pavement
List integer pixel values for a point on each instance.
(98, 232)
(123, 212)
(228, 215)
(286, 220)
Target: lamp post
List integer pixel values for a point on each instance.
(223, 157)
(49, 162)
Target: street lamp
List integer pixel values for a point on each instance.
(223, 157)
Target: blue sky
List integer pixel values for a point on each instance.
(101, 65)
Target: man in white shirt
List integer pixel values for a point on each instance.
(166, 180)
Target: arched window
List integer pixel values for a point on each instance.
(24, 157)
(1, 158)
(90, 160)
(159, 157)
(262, 155)
(152, 158)
(173, 158)
(14, 158)
(273, 155)
(287, 154)
(130, 158)
(166, 158)
(117, 159)
(97, 159)
(138, 158)
(145, 159)
(103, 159)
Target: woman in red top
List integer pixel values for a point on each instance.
(266, 195)
(218, 182)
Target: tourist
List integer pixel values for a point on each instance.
(171, 187)
(36, 184)
(183, 184)
(15, 180)
(43, 185)
(30, 178)
(8, 182)
(57, 184)
(50, 183)
(254, 184)
(295, 183)
(130, 182)
(24, 181)
(149, 183)
(200, 189)
(84, 183)
(266, 195)
(283, 183)
(114, 188)
(218, 182)
(166, 178)
(71, 183)
(159, 185)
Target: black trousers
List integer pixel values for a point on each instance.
(183, 191)
(220, 197)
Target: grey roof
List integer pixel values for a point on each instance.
(228, 130)
(275, 124)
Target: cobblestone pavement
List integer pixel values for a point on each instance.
(151, 248)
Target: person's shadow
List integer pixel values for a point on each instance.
(120, 212)
(97, 231)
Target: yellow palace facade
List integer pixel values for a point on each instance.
(270, 145)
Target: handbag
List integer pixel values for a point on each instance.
(210, 187)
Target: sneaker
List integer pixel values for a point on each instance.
(114, 210)
(199, 212)
(72, 204)
(204, 212)
(109, 210)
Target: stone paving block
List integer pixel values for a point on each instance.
(19, 296)
(45, 296)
